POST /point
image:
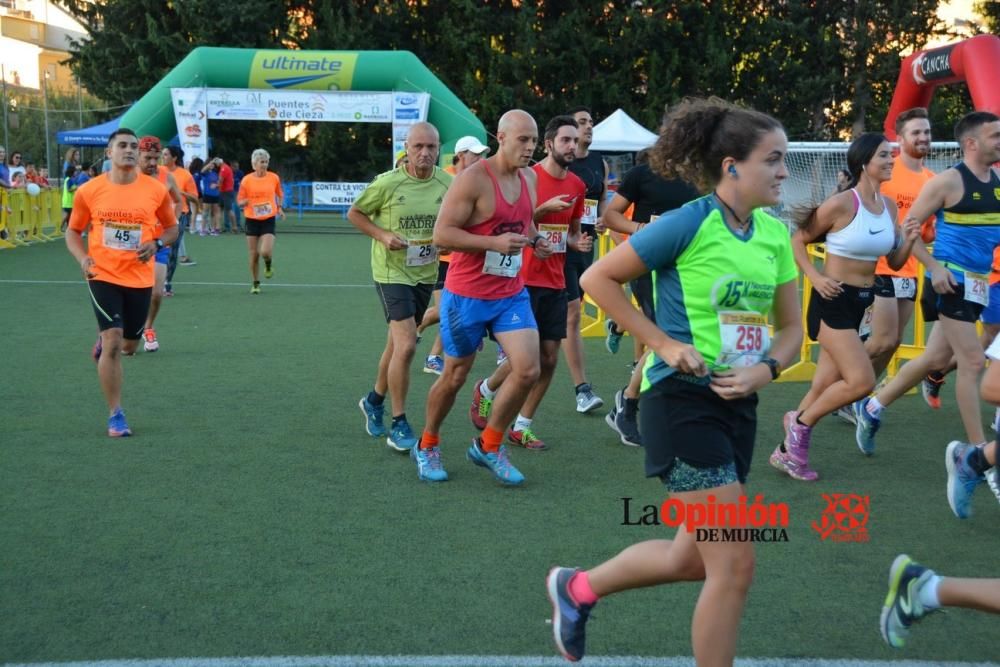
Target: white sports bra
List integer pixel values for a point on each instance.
(867, 237)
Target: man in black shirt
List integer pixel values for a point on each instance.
(651, 195)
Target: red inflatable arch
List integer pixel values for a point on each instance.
(975, 61)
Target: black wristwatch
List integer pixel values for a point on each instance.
(773, 365)
(534, 241)
(159, 244)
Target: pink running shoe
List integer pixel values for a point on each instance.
(795, 459)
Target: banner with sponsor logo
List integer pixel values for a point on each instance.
(329, 70)
(191, 116)
(299, 105)
(407, 109)
(336, 194)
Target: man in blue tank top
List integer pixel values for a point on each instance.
(955, 293)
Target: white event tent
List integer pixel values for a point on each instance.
(618, 132)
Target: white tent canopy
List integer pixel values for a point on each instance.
(618, 132)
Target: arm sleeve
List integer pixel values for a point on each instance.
(659, 245)
(165, 211)
(370, 201)
(80, 216)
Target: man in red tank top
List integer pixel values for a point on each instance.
(486, 221)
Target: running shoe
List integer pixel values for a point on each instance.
(930, 388)
(569, 619)
(626, 428)
(168, 291)
(269, 271)
(794, 461)
(374, 417)
(996, 421)
(846, 412)
(479, 413)
(587, 400)
(187, 261)
(149, 342)
(993, 480)
(501, 355)
(902, 607)
(612, 338)
(962, 479)
(496, 462)
(526, 439)
(117, 426)
(866, 427)
(98, 348)
(429, 468)
(434, 364)
(401, 437)
(255, 289)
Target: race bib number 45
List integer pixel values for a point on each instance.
(745, 338)
(122, 235)
(420, 253)
(555, 235)
(499, 264)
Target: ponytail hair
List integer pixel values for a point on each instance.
(699, 133)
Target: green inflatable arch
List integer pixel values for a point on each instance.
(375, 71)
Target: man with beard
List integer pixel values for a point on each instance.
(486, 221)
(149, 157)
(593, 171)
(397, 210)
(558, 220)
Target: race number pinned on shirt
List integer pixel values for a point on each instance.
(865, 328)
(498, 264)
(745, 338)
(262, 211)
(904, 288)
(555, 235)
(589, 216)
(420, 252)
(122, 235)
(977, 288)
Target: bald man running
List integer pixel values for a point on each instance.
(486, 221)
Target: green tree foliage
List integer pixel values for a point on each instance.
(826, 68)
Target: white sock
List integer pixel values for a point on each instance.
(484, 389)
(874, 407)
(522, 423)
(928, 594)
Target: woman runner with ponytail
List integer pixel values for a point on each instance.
(859, 226)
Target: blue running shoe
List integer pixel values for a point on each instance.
(429, 468)
(374, 415)
(117, 426)
(962, 479)
(434, 364)
(867, 427)
(569, 619)
(497, 463)
(401, 437)
(902, 606)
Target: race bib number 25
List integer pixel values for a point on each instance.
(420, 253)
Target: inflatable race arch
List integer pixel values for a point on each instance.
(285, 70)
(975, 61)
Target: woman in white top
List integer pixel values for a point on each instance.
(859, 226)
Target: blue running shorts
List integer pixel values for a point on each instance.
(464, 320)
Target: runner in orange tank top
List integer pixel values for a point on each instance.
(123, 212)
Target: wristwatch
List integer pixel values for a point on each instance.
(773, 365)
(534, 241)
(159, 244)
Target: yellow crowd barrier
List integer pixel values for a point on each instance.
(592, 323)
(26, 219)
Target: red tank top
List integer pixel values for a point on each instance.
(477, 274)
